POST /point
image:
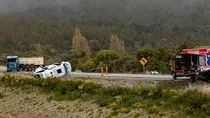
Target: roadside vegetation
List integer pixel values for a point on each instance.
(1, 95)
(155, 100)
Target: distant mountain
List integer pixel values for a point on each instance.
(145, 12)
(138, 23)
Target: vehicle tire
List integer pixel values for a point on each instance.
(174, 76)
(203, 77)
(193, 78)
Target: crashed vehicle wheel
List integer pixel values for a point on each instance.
(174, 76)
(193, 78)
(205, 76)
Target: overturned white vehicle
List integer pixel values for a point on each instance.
(53, 71)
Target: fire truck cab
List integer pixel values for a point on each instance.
(189, 62)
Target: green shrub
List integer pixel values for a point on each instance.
(72, 95)
(112, 91)
(104, 100)
(193, 101)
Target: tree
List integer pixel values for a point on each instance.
(39, 49)
(106, 56)
(76, 42)
(116, 44)
(80, 44)
(85, 46)
(186, 45)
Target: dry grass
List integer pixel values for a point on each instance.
(36, 105)
(1, 95)
(204, 88)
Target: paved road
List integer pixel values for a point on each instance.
(123, 76)
(113, 75)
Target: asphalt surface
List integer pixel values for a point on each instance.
(112, 75)
(123, 76)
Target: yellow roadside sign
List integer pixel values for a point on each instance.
(143, 61)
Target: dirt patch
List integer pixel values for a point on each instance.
(175, 84)
(128, 83)
(19, 104)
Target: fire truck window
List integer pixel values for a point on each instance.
(195, 60)
(202, 61)
(183, 62)
(59, 71)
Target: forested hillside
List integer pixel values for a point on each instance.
(47, 28)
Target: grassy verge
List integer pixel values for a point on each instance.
(1, 95)
(157, 100)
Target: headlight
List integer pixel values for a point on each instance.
(204, 69)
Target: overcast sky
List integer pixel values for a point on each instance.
(22, 5)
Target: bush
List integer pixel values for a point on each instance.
(194, 102)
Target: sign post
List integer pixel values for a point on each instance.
(143, 61)
(143, 68)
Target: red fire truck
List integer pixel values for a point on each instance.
(192, 63)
